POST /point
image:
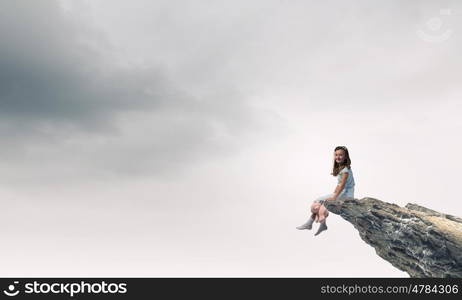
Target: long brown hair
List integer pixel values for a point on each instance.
(345, 164)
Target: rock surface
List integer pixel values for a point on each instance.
(420, 241)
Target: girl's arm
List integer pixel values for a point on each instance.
(339, 188)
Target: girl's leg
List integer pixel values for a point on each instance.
(308, 224)
(321, 228)
(315, 215)
(315, 210)
(323, 213)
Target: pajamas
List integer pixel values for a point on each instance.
(346, 193)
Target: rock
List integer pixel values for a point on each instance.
(420, 241)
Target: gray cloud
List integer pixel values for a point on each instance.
(359, 55)
(66, 103)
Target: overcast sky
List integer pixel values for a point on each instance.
(188, 138)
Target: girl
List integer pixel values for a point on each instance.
(344, 189)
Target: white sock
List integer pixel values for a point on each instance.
(307, 225)
(321, 228)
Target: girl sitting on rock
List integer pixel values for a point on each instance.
(344, 189)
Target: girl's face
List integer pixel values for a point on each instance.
(339, 155)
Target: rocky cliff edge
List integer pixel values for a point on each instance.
(420, 241)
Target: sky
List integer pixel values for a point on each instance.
(189, 138)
